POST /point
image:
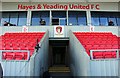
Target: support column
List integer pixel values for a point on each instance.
(29, 15)
(50, 18)
(67, 17)
(89, 23)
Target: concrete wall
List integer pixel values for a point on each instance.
(40, 59)
(37, 64)
(79, 60)
(82, 65)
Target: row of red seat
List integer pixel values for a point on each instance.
(31, 37)
(18, 48)
(99, 41)
(15, 55)
(19, 41)
(93, 33)
(103, 55)
(102, 46)
(23, 33)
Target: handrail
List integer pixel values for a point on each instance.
(28, 52)
(43, 38)
(41, 41)
(101, 50)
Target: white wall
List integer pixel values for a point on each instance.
(79, 60)
(113, 29)
(40, 59)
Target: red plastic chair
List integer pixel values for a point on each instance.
(98, 55)
(20, 56)
(107, 54)
(9, 55)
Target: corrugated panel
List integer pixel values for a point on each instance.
(119, 69)
(104, 68)
(12, 68)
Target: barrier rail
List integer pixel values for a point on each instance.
(105, 50)
(28, 53)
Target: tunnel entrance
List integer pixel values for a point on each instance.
(58, 52)
(59, 58)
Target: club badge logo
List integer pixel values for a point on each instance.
(58, 29)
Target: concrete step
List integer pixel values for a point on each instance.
(59, 69)
(60, 75)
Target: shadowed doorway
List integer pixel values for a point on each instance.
(58, 52)
(59, 55)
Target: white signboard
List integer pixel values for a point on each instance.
(25, 29)
(58, 31)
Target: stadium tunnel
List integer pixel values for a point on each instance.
(59, 57)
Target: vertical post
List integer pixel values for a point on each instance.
(50, 18)
(91, 54)
(29, 13)
(67, 17)
(117, 54)
(88, 18)
(28, 55)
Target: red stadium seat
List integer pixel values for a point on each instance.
(19, 41)
(114, 54)
(8, 55)
(99, 41)
(98, 55)
(107, 54)
(20, 56)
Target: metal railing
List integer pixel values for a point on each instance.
(105, 50)
(28, 54)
